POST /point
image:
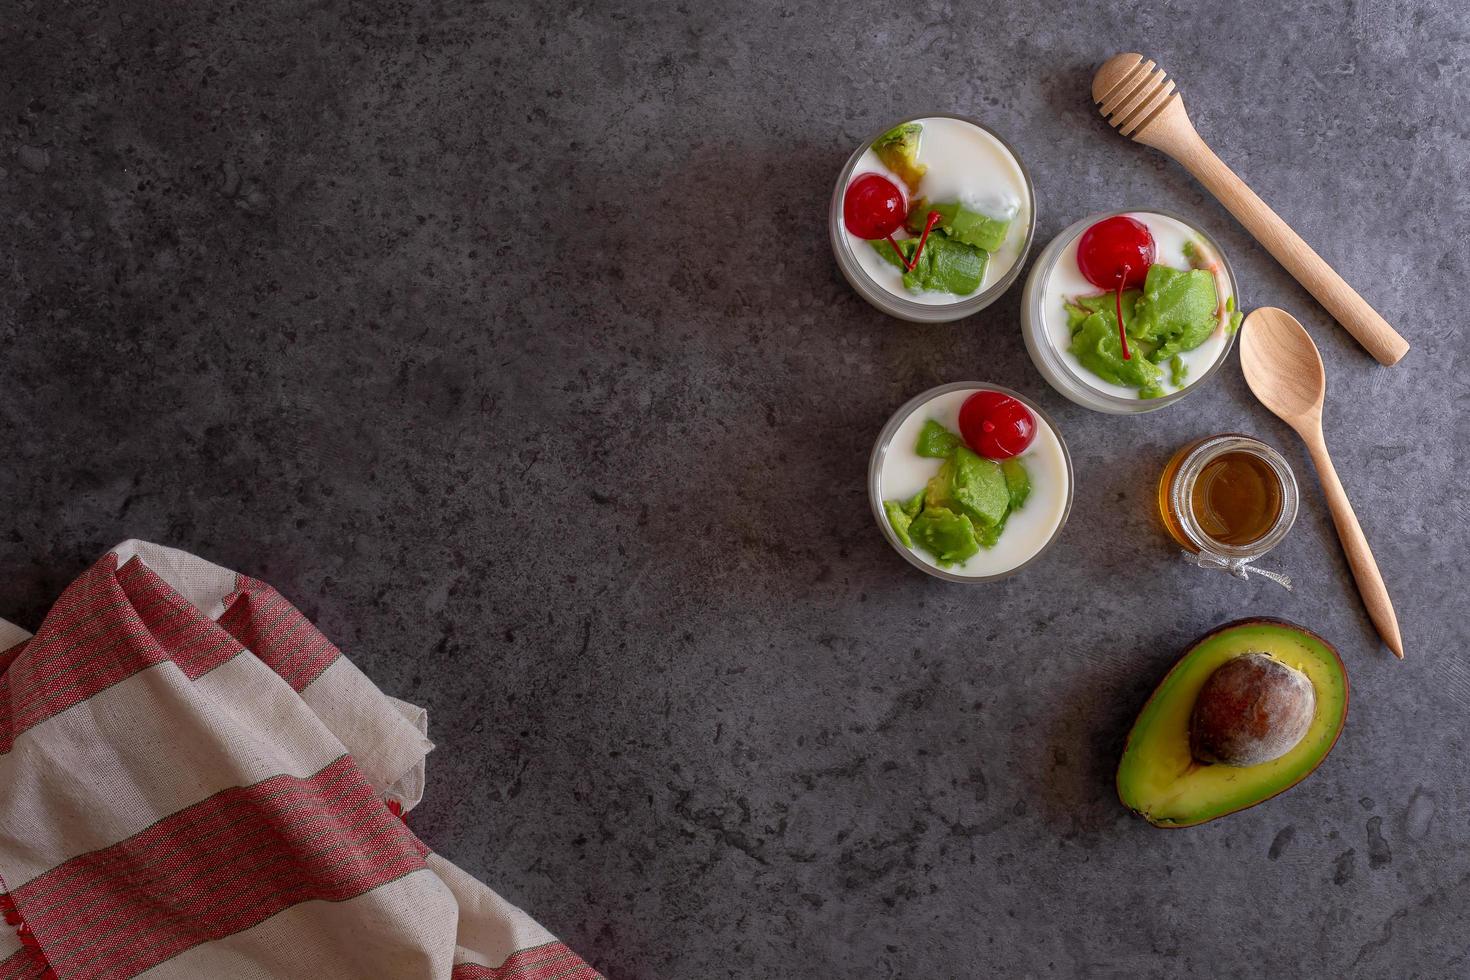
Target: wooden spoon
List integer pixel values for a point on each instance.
(1139, 101)
(1284, 370)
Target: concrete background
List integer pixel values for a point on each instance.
(507, 342)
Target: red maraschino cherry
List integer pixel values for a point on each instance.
(996, 426)
(874, 208)
(1115, 254)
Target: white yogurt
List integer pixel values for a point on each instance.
(1028, 530)
(968, 165)
(1065, 282)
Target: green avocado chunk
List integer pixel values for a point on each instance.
(978, 487)
(899, 521)
(1232, 316)
(945, 265)
(1176, 311)
(901, 514)
(935, 441)
(1160, 776)
(964, 506)
(948, 536)
(963, 225)
(899, 150)
(1095, 343)
(989, 535)
(939, 492)
(1173, 313)
(1018, 482)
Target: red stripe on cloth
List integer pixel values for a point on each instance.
(553, 961)
(8, 657)
(262, 621)
(26, 963)
(217, 868)
(194, 641)
(107, 626)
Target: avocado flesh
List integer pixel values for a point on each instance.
(1161, 781)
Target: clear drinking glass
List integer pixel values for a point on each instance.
(892, 303)
(1062, 374)
(884, 445)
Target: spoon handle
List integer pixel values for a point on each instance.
(1319, 278)
(1355, 546)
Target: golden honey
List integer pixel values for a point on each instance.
(1236, 498)
(1229, 495)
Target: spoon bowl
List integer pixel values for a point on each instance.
(1284, 371)
(1283, 368)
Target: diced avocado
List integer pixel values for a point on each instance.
(939, 492)
(1018, 482)
(964, 506)
(935, 441)
(944, 266)
(971, 227)
(899, 150)
(957, 222)
(1176, 311)
(955, 267)
(899, 520)
(987, 537)
(1200, 258)
(979, 489)
(1077, 314)
(1159, 776)
(948, 536)
(1232, 316)
(1197, 255)
(1173, 313)
(1079, 309)
(1095, 343)
(884, 249)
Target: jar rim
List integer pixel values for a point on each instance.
(1182, 484)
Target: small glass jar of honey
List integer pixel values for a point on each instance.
(1228, 499)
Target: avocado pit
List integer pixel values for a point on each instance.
(1252, 710)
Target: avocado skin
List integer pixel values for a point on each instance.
(1184, 659)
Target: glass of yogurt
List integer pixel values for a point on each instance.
(896, 471)
(1056, 280)
(966, 163)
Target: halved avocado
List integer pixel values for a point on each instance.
(1159, 779)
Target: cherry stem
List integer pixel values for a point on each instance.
(1118, 301)
(934, 216)
(898, 251)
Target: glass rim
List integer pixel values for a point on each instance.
(1182, 487)
(1037, 314)
(880, 453)
(890, 302)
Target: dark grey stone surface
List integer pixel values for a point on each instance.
(509, 345)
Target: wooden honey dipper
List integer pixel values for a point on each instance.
(1140, 101)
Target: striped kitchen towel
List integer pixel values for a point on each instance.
(195, 784)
